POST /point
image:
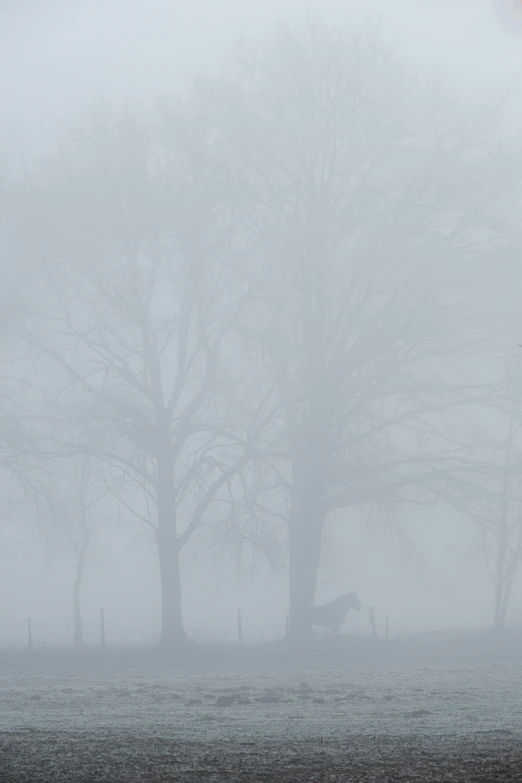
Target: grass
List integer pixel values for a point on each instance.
(467, 646)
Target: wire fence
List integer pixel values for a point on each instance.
(106, 631)
(102, 630)
(35, 632)
(58, 632)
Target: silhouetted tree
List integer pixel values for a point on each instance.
(132, 312)
(372, 203)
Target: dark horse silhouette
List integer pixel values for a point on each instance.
(332, 614)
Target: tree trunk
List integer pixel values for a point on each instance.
(304, 542)
(80, 565)
(173, 634)
(511, 571)
(500, 579)
(502, 554)
(77, 616)
(304, 556)
(499, 619)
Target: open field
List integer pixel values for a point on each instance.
(116, 757)
(250, 717)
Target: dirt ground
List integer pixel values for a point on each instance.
(381, 718)
(61, 757)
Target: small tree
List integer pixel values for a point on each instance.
(75, 494)
(495, 504)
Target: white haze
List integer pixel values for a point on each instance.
(57, 56)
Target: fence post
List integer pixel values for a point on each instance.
(372, 621)
(239, 628)
(386, 626)
(29, 634)
(102, 627)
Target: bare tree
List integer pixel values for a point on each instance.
(370, 201)
(493, 500)
(133, 243)
(506, 527)
(267, 305)
(75, 493)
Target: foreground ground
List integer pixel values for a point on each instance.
(124, 719)
(127, 758)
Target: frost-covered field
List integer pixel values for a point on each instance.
(375, 724)
(220, 705)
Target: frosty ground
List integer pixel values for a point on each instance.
(324, 717)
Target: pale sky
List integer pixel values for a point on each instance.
(56, 55)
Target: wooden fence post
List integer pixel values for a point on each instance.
(372, 621)
(102, 627)
(239, 628)
(29, 634)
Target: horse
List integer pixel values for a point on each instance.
(332, 615)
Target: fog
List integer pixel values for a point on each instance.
(57, 59)
(260, 331)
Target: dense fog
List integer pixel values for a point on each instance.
(260, 391)
(309, 230)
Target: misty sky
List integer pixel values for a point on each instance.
(56, 55)
(54, 58)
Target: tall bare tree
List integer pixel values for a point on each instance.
(373, 204)
(133, 243)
